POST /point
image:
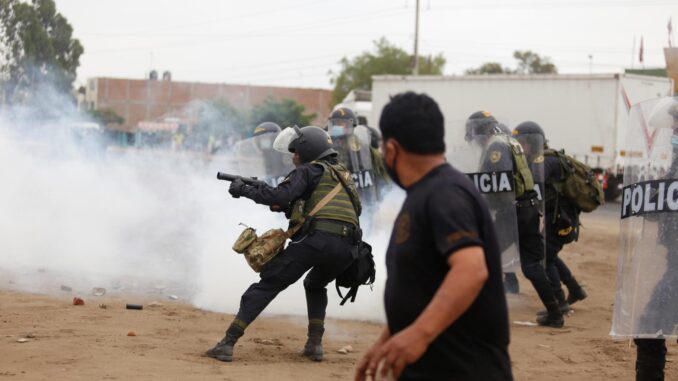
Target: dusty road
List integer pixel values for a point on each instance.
(66, 342)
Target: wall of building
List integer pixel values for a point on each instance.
(138, 100)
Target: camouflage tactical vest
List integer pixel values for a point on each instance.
(340, 208)
(522, 175)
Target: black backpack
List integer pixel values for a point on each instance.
(360, 273)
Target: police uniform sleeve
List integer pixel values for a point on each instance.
(299, 183)
(454, 219)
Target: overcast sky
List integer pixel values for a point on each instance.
(296, 42)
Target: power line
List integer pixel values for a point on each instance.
(277, 30)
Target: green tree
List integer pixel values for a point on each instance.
(36, 48)
(219, 119)
(530, 62)
(490, 68)
(285, 112)
(106, 116)
(356, 73)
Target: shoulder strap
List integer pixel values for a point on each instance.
(342, 181)
(325, 200)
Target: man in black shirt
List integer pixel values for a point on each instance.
(445, 304)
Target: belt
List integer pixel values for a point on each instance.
(343, 229)
(526, 202)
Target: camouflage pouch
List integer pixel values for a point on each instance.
(264, 248)
(246, 238)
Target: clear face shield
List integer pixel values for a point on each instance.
(284, 138)
(339, 127)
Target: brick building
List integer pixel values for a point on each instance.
(138, 100)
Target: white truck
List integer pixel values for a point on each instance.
(584, 114)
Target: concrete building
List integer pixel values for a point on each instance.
(139, 100)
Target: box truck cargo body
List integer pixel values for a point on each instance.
(584, 114)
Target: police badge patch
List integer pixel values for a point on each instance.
(402, 229)
(495, 156)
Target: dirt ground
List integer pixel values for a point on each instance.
(66, 342)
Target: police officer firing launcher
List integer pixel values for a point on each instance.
(323, 245)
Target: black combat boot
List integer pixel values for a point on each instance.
(511, 285)
(553, 317)
(223, 351)
(314, 348)
(575, 292)
(562, 305)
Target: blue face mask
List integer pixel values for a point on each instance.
(337, 131)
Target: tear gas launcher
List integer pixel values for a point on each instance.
(247, 180)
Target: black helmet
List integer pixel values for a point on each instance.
(481, 123)
(311, 143)
(343, 116)
(504, 129)
(529, 127)
(265, 128)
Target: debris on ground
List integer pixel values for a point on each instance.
(78, 301)
(66, 288)
(22, 340)
(266, 341)
(155, 304)
(134, 307)
(103, 306)
(173, 297)
(345, 350)
(525, 323)
(131, 333)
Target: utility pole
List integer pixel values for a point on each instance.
(590, 63)
(415, 68)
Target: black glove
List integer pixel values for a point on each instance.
(237, 188)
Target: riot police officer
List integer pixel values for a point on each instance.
(505, 152)
(257, 158)
(660, 316)
(356, 150)
(324, 245)
(561, 223)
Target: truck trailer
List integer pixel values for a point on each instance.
(585, 115)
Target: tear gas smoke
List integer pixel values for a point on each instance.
(137, 221)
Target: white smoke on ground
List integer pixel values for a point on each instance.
(138, 222)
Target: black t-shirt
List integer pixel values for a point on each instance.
(444, 213)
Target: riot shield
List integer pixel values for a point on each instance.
(646, 303)
(257, 158)
(354, 153)
(489, 164)
(533, 147)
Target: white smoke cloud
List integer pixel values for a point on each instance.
(138, 222)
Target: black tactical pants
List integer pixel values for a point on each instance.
(650, 359)
(326, 255)
(553, 247)
(531, 242)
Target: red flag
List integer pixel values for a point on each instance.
(640, 53)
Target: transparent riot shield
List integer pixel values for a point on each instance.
(257, 158)
(488, 163)
(533, 147)
(646, 303)
(354, 153)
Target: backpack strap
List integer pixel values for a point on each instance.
(351, 294)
